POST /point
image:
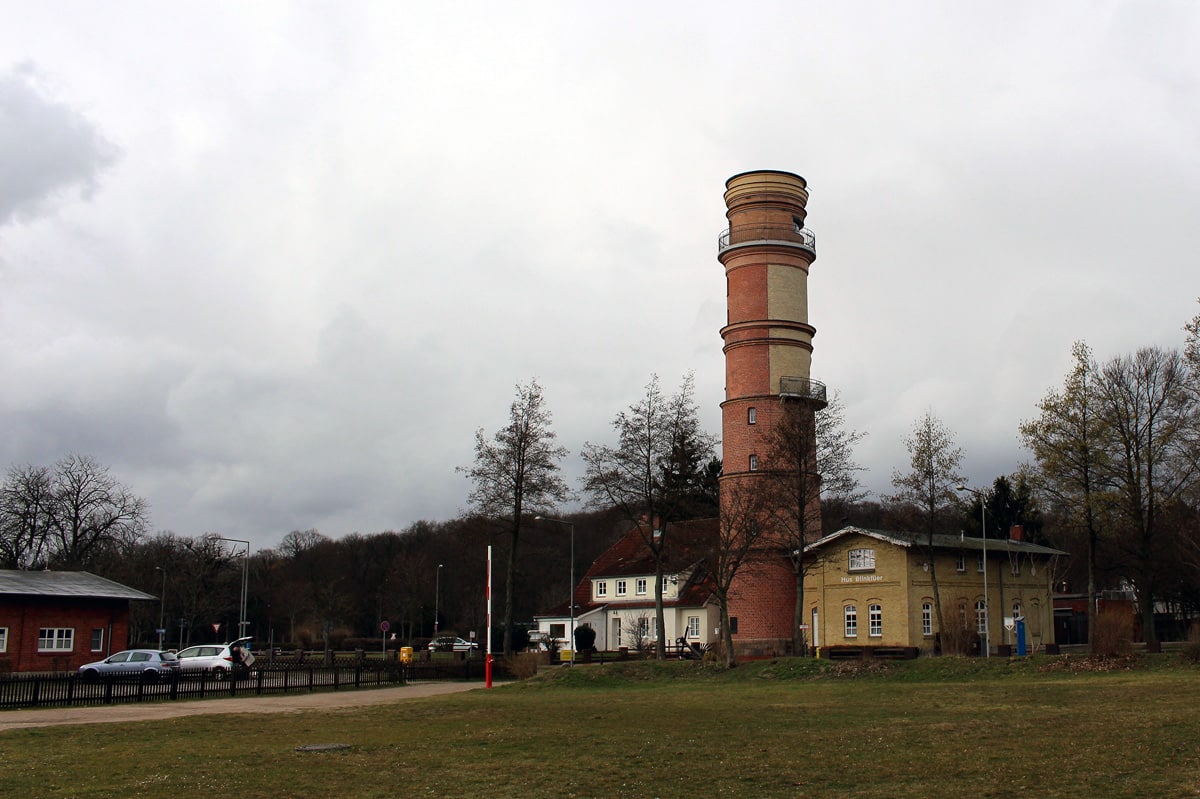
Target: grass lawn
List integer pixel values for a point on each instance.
(944, 727)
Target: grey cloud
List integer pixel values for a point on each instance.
(46, 147)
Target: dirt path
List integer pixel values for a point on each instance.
(152, 711)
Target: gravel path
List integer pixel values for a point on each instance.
(152, 711)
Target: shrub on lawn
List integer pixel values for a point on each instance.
(523, 665)
(1112, 633)
(1191, 650)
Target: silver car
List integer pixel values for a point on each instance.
(219, 659)
(143, 662)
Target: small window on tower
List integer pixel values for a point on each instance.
(797, 223)
(754, 463)
(751, 415)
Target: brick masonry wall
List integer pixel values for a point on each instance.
(763, 600)
(25, 617)
(766, 335)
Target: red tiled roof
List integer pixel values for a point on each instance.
(687, 544)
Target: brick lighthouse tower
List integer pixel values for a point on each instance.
(766, 252)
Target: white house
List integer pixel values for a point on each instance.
(616, 595)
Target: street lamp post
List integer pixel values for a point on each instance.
(243, 623)
(162, 606)
(571, 587)
(987, 629)
(437, 595)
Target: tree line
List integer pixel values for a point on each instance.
(1114, 479)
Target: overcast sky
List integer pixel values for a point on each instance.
(275, 263)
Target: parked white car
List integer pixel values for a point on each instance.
(220, 659)
(449, 643)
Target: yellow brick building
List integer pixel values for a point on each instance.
(874, 588)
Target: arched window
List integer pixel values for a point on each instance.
(851, 621)
(875, 621)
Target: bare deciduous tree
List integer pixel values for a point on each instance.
(25, 504)
(630, 475)
(740, 529)
(517, 473)
(1070, 444)
(810, 454)
(65, 516)
(930, 485)
(1152, 417)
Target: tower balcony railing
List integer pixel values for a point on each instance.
(787, 235)
(802, 388)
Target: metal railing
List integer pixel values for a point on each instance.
(787, 235)
(73, 690)
(802, 388)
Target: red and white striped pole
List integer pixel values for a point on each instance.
(487, 664)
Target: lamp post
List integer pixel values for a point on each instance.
(162, 606)
(571, 587)
(437, 594)
(987, 629)
(243, 623)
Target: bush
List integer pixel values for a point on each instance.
(959, 640)
(585, 638)
(1191, 650)
(523, 665)
(1112, 633)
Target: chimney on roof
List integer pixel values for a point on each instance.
(1016, 533)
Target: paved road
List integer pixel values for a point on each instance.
(151, 711)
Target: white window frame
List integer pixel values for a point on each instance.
(980, 617)
(861, 559)
(960, 562)
(693, 626)
(3, 639)
(850, 616)
(754, 463)
(97, 639)
(979, 561)
(926, 618)
(640, 586)
(875, 621)
(602, 588)
(56, 639)
(752, 415)
(622, 587)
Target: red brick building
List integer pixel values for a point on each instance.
(57, 621)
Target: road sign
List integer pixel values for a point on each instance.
(384, 626)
